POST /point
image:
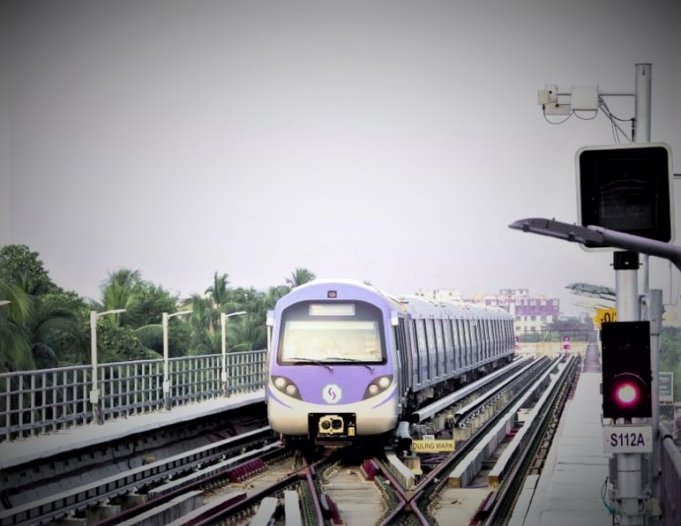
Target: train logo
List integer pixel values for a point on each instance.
(332, 394)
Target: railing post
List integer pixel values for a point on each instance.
(95, 401)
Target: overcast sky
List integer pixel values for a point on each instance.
(385, 141)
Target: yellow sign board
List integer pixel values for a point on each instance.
(432, 446)
(605, 316)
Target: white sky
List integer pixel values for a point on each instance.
(385, 141)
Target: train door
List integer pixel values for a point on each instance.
(403, 352)
(440, 349)
(467, 343)
(449, 347)
(432, 350)
(456, 338)
(482, 340)
(489, 339)
(475, 339)
(422, 351)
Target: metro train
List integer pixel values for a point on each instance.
(346, 361)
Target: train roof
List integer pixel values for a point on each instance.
(418, 306)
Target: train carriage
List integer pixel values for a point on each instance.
(347, 361)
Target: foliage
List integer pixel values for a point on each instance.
(22, 267)
(299, 277)
(15, 348)
(670, 356)
(44, 326)
(120, 344)
(42, 323)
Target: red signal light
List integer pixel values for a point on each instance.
(627, 394)
(626, 370)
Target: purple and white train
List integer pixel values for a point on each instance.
(346, 361)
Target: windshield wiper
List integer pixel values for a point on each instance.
(298, 361)
(350, 360)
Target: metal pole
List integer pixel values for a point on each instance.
(223, 323)
(94, 391)
(655, 308)
(643, 102)
(629, 482)
(629, 492)
(223, 376)
(166, 375)
(655, 312)
(167, 402)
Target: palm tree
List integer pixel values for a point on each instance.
(219, 292)
(300, 276)
(15, 346)
(119, 291)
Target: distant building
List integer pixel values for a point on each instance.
(532, 313)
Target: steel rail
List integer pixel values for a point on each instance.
(82, 497)
(504, 497)
(443, 403)
(305, 475)
(410, 501)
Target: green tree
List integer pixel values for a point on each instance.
(15, 348)
(149, 303)
(299, 277)
(218, 292)
(40, 324)
(21, 266)
(670, 356)
(119, 292)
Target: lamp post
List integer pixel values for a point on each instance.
(166, 373)
(223, 323)
(94, 392)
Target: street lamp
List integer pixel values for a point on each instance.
(94, 392)
(166, 374)
(223, 323)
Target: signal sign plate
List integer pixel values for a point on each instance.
(627, 439)
(605, 316)
(433, 446)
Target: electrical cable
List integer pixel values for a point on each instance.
(615, 127)
(555, 122)
(595, 114)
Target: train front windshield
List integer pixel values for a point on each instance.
(334, 332)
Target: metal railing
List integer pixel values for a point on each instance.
(670, 498)
(47, 400)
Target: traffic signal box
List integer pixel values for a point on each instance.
(627, 377)
(626, 188)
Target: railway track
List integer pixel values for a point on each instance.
(254, 479)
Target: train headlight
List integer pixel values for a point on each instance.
(286, 386)
(378, 386)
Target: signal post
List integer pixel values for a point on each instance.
(625, 200)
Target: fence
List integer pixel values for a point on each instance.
(557, 336)
(670, 498)
(44, 400)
